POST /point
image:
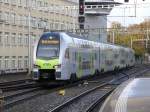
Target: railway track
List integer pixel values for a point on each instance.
(27, 94)
(14, 92)
(97, 103)
(16, 85)
(16, 98)
(13, 99)
(15, 82)
(103, 90)
(107, 87)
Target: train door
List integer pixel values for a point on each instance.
(96, 60)
(102, 59)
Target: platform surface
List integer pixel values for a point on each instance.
(131, 96)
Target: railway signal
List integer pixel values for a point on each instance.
(81, 26)
(81, 7)
(81, 18)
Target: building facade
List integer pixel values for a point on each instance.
(21, 19)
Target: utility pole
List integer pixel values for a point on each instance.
(113, 35)
(29, 40)
(135, 2)
(147, 36)
(131, 44)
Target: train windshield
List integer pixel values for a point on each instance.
(49, 45)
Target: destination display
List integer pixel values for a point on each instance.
(49, 41)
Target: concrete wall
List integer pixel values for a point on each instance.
(97, 22)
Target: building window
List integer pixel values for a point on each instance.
(26, 40)
(20, 2)
(6, 62)
(33, 39)
(33, 3)
(1, 38)
(6, 16)
(19, 20)
(20, 62)
(13, 62)
(7, 39)
(20, 39)
(13, 2)
(40, 25)
(25, 63)
(45, 4)
(39, 3)
(26, 20)
(26, 2)
(33, 21)
(6, 1)
(1, 16)
(13, 18)
(13, 39)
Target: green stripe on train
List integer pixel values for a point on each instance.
(47, 64)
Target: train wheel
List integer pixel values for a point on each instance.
(73, 77)
(116, 68)
(102, 70)
(97, 72)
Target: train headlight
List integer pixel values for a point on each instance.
(37, 66)
(57, 66)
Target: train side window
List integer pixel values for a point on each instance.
(116, 55)
(95, 56)
(67, 54)
(75, 55)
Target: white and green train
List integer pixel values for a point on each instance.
(64, 56)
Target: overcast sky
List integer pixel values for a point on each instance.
(125, 13)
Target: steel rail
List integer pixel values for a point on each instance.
(6, 97)
(15, 82)
(98, 101)
(9, 104)
(101, 99)
(19, 86)
(61, 106)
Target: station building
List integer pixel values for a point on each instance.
(15, 27)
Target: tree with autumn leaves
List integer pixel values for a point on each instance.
(132, 36)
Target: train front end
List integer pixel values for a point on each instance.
(46, 64)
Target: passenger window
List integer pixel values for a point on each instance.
(75, 56)
(116, 55)
(67, 53)
(95, 56)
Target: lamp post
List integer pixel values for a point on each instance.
(147, 34)
(29, 40)
(113, 35)
(135, 2)
(131, 43)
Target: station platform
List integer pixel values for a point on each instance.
(131, 96)
(14, 77)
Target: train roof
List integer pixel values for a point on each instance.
(131, 96)
(84, 38)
